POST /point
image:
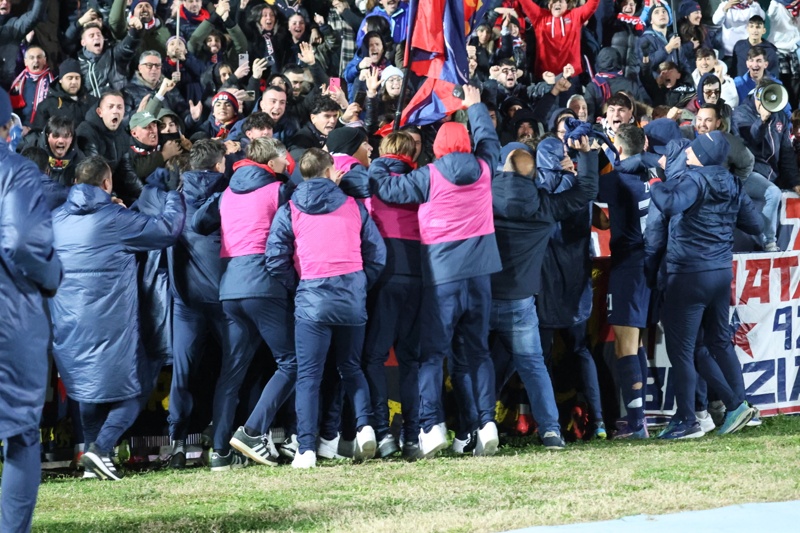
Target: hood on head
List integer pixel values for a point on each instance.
(199, 185)
(701, 99)
(609, 60)
(451, 137)
(676, 157)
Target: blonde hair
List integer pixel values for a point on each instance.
(398, 143)
(265, 149)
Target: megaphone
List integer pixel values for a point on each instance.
(773, 97)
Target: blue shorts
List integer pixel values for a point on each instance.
(628, 298)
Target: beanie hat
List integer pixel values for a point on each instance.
(69, 66)
(687, 8)
(345, 140)
(176, 37)
(648, 10)
(711, 148)
(660, 132)
(228, 97)
(388, 72)
(452, 137)
(5, 108)
(135, 3)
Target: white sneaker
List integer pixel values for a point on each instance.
(365, 444)
(432, 442)
(336, 448)
(487, 440)
(772, 247)
(706, 422)
(307, 459)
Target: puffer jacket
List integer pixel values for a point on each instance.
(108, 71)
(95, 139)
(30, 270)
(195, 267)
(243, 214)
(331, 289)
(450, 259)
(710, 202)
(95, 314)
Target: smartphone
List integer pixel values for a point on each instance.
(335, 82)
(244, 59)
(250, 96)
(360, 99)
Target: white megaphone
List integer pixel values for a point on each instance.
(773, 97)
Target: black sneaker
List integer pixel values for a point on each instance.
(234, 459)
(411, 451)
(552, 440)
(177, 459)
(100, 464)
(464, 443)
(260, 449)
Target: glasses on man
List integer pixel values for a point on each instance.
(150, 66)
(711, 92)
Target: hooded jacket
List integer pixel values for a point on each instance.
(769, 142)
(399, 226)
(62, 170)
(253, 197)
(30, 270)
(608, 80)
(95, 314)
(703, 205)
(524, 217)
(339, 299)
(558, 39)
(195, 266)
(94, 138)
(453, 251)
(155, 296)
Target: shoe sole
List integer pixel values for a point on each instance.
(555, 448)
(366, 452)
(98, 468)
(753, 423)
(740, 423)
(436, 449)
(325, 454)
(383, 453)
(248, 452)
(485, 449)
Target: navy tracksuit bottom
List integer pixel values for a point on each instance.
(22, 470)
(695, 301)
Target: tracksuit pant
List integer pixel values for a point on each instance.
(104, 423)
(574, 339)
(312, 341)
(22, 470)
(693, 301)
(394, 322)
(191, 327)
(516, 324)
(250, 320)
(459, 308)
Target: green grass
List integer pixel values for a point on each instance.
(519, 487)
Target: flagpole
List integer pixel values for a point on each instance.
(178, 34)
(406, 69)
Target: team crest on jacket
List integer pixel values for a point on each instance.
(779, 126)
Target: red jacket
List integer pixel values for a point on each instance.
(558, 39)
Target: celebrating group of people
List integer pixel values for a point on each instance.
(200, 177)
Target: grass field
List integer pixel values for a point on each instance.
(519, 487)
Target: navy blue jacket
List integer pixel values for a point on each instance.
(340, 300)
(95, 314)
(524, 217)
(245, 276)
(195, 267)
(155, 296)
(456, 260)
(403, 256)
(704, 204)
(770, 143)
(29, 270)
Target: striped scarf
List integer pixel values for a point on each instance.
(42, 79)
(348, 36)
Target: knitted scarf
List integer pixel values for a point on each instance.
(194, 19)
(633, 20)
(42, 79)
